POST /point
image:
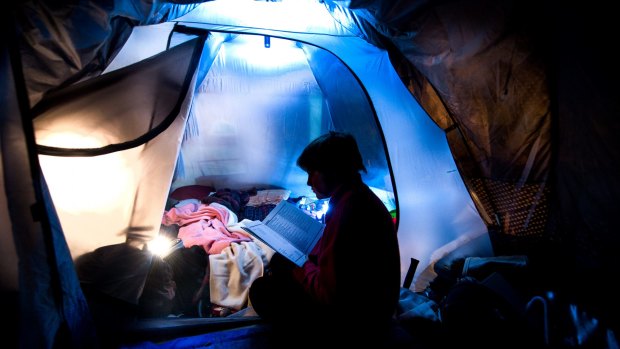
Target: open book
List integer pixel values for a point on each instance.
(289, 231)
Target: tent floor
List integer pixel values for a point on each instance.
(240, 332)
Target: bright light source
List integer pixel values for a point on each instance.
(161, 246)
(297, 15)
(278, 54)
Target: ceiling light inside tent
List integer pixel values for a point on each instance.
(294, 15)
(279, 52)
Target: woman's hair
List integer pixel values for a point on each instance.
(335, 154)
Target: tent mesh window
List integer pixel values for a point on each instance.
(521, 212)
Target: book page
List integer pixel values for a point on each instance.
(276, 241)
(301, 230)
(289, 231)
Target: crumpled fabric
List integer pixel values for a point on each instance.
(413, 305)
(232, 272)
(193, 212)
(204, 225)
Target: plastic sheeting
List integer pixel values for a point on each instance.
(76, 42)
(483, 80)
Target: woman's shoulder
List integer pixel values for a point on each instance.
(362, 200)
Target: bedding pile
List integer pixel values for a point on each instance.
(206, 268)
(203, 217)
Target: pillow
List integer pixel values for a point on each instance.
(269, 196)
(184, 202)
(195, 191)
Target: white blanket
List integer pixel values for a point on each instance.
(234, 269)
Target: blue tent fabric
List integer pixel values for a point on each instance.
(252, 336)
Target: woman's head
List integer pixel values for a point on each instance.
(334, 157)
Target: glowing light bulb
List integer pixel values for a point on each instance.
(160, 246)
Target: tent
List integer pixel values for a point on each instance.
(482, 136)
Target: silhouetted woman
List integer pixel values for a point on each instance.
(348, 289)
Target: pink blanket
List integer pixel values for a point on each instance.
(203, 225)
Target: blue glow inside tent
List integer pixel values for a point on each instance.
(254, 108)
